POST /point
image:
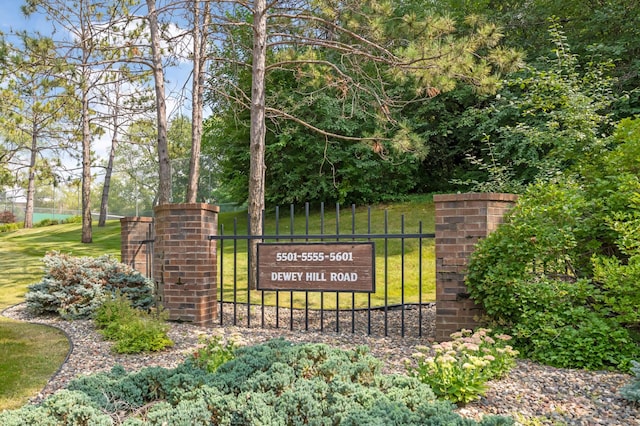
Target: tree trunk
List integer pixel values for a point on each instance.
(104, 202)
(258, 129)
(201, 19)
(31, 186)
(164, 164)
(87, 236)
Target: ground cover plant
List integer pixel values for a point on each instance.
(631, 391)
(276, 383)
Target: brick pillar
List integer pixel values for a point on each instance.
(185, 261)
(461, 221)
(134, 230)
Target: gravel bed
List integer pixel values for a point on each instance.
(533, 394)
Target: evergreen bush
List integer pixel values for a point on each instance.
(631, 391)
(74, 287)
(276, 383)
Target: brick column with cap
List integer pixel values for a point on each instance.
(134, 230)
(461, 221)
(185, 261)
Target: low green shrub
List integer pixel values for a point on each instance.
(560, 275)
(73, 219)
(75, 287)
(133, 330)
(276, 383)
(8, 227)
(460, 368)
(46, 222)
(65, 407)
(118, 390)
(631, 391)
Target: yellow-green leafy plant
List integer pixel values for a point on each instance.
(213, 351)
(458, 370)
(133, 330)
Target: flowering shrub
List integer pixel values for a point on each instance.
(214, 351)
(459, 369)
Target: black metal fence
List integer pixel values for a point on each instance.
(148, 244)
(404, 276)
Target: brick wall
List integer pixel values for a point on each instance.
(461, 221)
(185, 261)
(133, 231)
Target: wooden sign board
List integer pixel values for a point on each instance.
(317, 266)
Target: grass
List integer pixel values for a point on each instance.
(393, 219)
(29, 353)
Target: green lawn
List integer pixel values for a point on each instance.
(30, 354)
(389, 272)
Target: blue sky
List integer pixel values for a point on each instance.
(12, 18)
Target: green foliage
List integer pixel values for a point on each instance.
(63, 408)
(46, 222)
(460, 368)
(213, 352)
(356, 131)
(562, 274)
(546, 120)
(276, 383)
(73, 219)
(631, 391)
(117, 389)
(304, 166)
(74, 287)
(8, 227)
(133, 330)
(596, 30)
